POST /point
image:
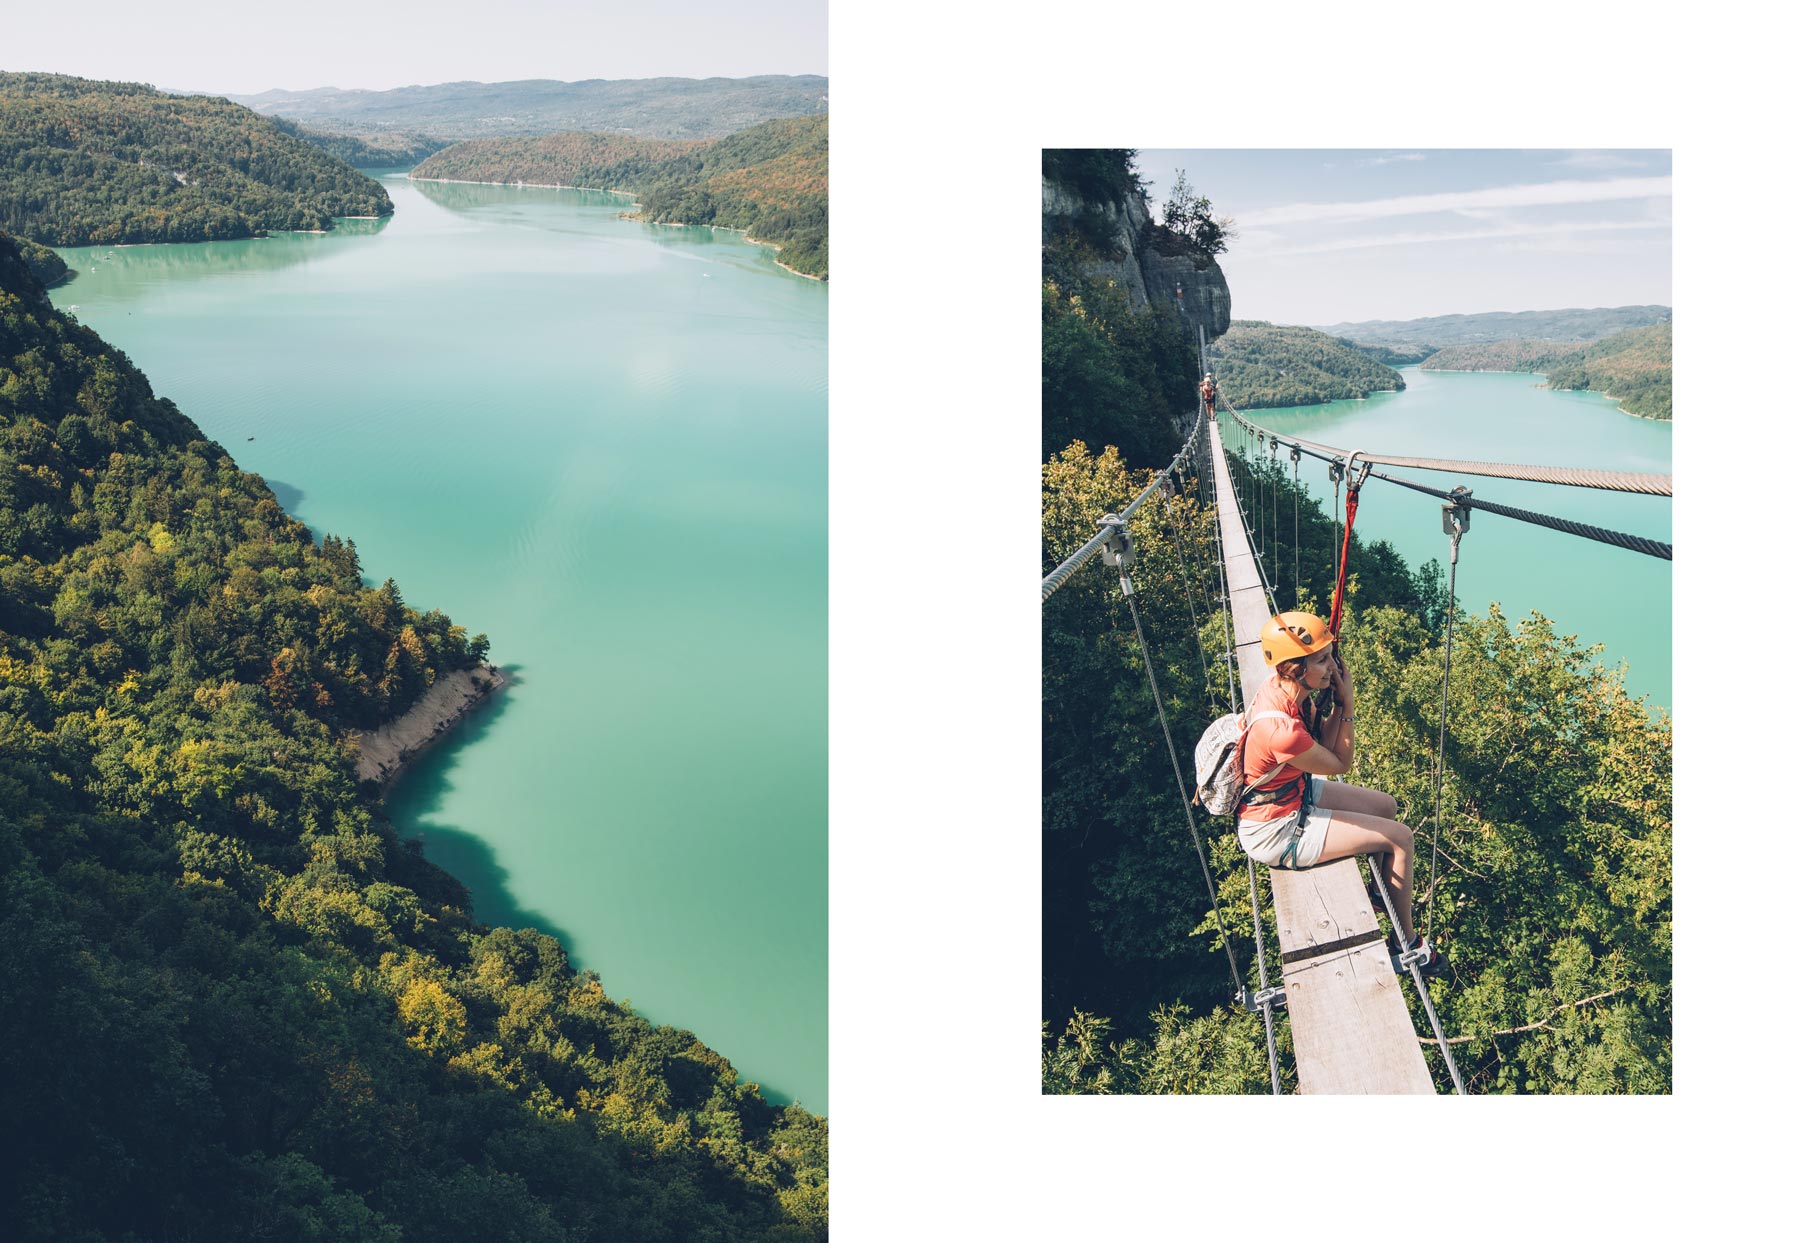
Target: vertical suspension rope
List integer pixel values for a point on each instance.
(1178, 539)
(1295, 456)
(1181, 784)
(1265, 1002)
(1274, 525)
(1457, 523)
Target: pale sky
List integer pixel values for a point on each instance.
(228, 47)
(1327, 236)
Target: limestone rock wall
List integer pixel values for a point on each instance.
(1149, 279)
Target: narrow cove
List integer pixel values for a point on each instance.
(603, 444)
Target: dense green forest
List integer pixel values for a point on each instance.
(236, 1003)
(379, 150)
(643, 107)
(1632, 366)
(1517, 354)
(85, 163)
(1261, 364)
(770, 180)
(1553, 901)
(1441, 331)
(45, 264)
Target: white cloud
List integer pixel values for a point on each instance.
(1541, 194)
(1408, 157)
(1599, 161)
(1255, 245)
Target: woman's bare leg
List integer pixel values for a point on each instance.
(1338, 796)
(1357, 833)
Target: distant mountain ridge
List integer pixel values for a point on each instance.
(1440, 331)
(642, 107)
(1633, 367)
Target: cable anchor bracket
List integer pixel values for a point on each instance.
(1118, 550)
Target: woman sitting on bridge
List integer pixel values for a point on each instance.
(1292, 818)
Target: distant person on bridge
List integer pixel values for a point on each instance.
(1293, 819)
(1208, 392)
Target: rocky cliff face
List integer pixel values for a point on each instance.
(1148, 278)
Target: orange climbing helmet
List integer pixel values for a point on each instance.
(1290, 636)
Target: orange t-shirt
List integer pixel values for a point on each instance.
(1271, 744)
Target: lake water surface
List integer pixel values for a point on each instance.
(603, 444)
(1606, 595)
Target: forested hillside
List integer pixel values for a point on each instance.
(1262, 364)
(770, 180)
(1519, 354)
(85, 163)
(1441, 331)
(45, 264)
(380, 150)
(1633, 366)
(236, 1005)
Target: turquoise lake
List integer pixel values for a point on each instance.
(603, 444)
(1602, 594)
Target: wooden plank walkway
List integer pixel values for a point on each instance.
(1352, 1032)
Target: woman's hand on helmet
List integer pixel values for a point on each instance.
(1342, 684)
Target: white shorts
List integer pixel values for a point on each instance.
(1272, 842)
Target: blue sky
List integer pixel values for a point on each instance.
(224, 46)
(1327, 236)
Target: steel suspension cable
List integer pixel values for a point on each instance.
(1178, 539)
(1618, 539)
(1180, 781)
(1458, 523)
(1296, 460)
(1573, 476)
(1411, 963)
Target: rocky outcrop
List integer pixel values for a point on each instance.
(1147, 277)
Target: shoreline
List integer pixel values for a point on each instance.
(1619, 402)
(667, 224)
(383, 754)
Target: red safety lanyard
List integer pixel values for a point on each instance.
(1337, 596)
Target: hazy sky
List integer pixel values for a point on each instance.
(226, 46)
(1337, 235)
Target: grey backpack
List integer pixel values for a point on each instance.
(1219, 765)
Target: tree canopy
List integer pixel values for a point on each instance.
(85, 163)
(235, 1001)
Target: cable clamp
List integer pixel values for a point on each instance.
(1295, 455)
(1335, 472)
(1276, 996)
(1117, 550)
(1458, 512)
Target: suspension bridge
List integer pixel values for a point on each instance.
(1341, 983)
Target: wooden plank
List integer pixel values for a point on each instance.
(1352, 1032)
